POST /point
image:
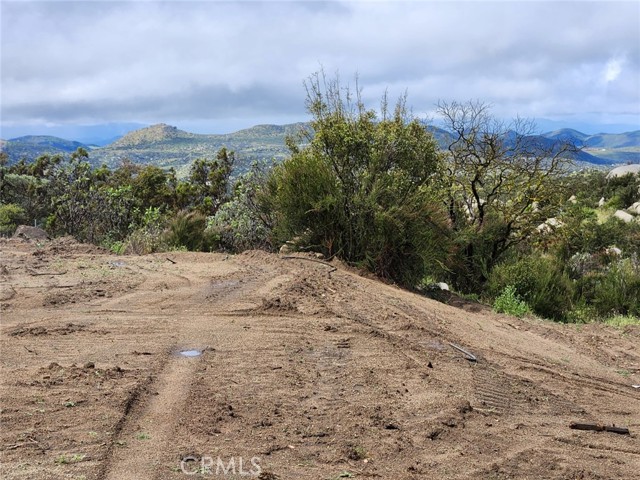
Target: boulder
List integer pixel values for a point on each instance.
(624, 170)
(549, 225)
(286, 249)
(30, 233)
(613, 251)
(624, 216)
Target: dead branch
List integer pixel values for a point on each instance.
(599, 428)
(34, 273)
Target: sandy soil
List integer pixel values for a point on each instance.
(306, 371)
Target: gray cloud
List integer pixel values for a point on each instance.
(93, 62)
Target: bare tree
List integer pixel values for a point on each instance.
(500, 183)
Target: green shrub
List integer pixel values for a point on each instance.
(11, 215)
(622, 320)
(582, 313)
(115, 246)
(148, 237)
(617, 290)
(362, 188)
(242, 223)
(510, 303)
(186, 230)
(540, 281)
(623, 190)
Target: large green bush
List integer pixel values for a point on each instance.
(187, 230)
(362, 188)
(11, 216)
(510, 303)
(244, 223)
(539, 280)
(614, 289)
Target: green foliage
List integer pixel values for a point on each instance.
(582, 313)
(539, 280)
(623, 191)
(11, 215)
(186, 230)
(84, 207)
(622, 320)
(510, 303)
(362, 188)
(147, 237)
(207, 186)
(152, 188)
(500, 183)
(616, 290)
(243, 223)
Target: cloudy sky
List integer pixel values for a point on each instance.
(215, 67)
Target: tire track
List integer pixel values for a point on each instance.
(154, 410)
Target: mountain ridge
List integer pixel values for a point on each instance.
(170, 147)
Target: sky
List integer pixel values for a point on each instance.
(216, 67)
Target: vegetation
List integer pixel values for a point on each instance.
(510, 303)
(497, 214)
(363, 188)
(498, 186)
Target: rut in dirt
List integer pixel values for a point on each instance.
(148, 426)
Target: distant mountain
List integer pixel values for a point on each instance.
(160, 133)
(567, 135)
(440, 135)
(167, 146)
(32, 146)
(600, 140)
(612, 147)
(551, 142)
(612, 140)
(46, 141)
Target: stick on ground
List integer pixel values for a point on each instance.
(468, 355)
(599, 428)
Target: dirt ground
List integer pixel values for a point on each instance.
(305, 371)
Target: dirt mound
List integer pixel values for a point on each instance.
(69, 245)
(299, 370)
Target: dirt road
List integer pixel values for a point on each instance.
(302, 371)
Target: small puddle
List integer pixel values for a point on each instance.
(190, 353)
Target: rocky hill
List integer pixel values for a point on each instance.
(160, 133)
(169, 147)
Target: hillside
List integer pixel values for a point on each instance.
(160, 133)
(613, 148)
(311, 370)
(32, 146)
(167, 146)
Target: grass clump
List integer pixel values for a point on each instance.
(510, 303)
(622, 321)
